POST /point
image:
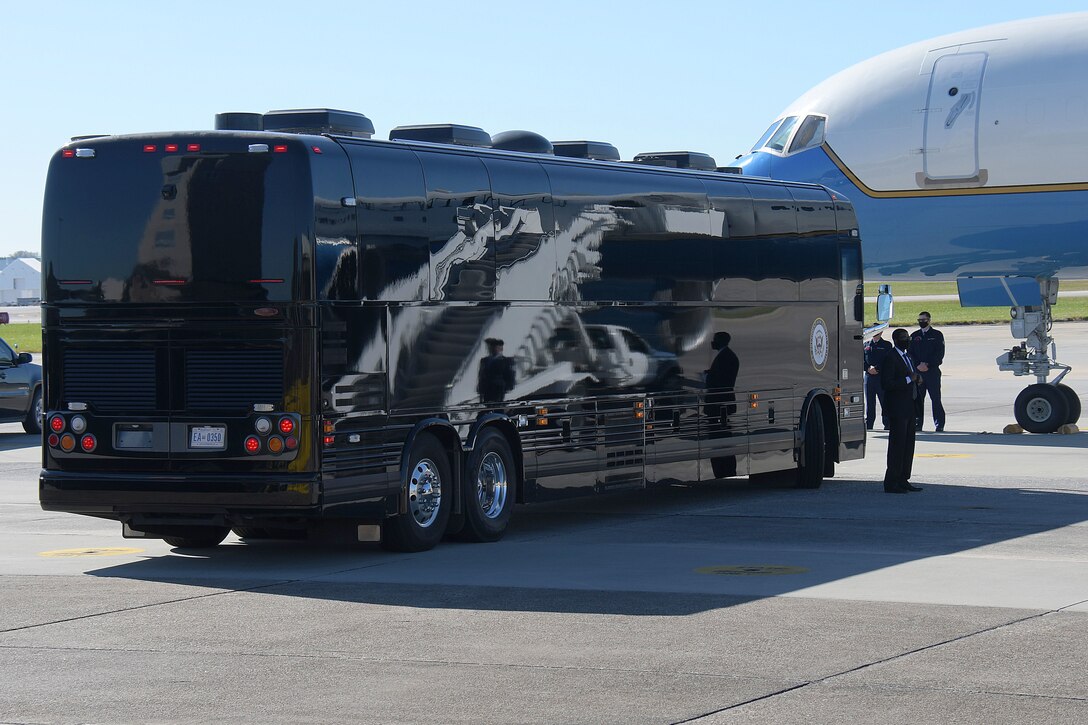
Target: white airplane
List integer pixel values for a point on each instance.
(966, 157)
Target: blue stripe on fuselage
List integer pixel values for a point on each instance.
(941, 236)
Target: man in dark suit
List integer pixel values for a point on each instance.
(875, 351)
(899, 378)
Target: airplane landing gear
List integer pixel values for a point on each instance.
(1045, 406)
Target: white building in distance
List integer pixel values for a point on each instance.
(21, 282)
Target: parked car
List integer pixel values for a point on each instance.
(20, 387)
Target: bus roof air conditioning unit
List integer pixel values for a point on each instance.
(678, 160)
(597, 150)
(450, 133)
(319, 120)
(525, 142)
(238, 122)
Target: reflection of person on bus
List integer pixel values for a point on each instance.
(721, 378)
(496, 377)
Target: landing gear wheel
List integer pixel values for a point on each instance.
(32, 424)
(1072, 400)
(198, 537)
(489, 490)
(430, 488)
(810, 468)
(1041, 408)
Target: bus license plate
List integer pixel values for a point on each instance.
(208, 436)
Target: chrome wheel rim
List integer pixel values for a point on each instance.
(1039, 410)
(491, 485)
(39, 412)
(425, 493)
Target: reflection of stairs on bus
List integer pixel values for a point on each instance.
(425, 373)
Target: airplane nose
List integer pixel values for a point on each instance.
(753, 164)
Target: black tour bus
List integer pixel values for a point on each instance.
(285, 325)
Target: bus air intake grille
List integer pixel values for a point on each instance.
(110, 380)
(233, 379)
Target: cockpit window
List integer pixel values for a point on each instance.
(779, 138)
(810, 135)
(766, 135)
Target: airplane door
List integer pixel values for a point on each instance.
(950, 143)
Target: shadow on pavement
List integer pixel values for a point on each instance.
(643, 552)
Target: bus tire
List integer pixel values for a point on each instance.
(198, 537)
(489, 489)
(430, 494)
(810, 465)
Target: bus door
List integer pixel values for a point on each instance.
(851, 371)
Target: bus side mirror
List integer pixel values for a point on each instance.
(884, 303)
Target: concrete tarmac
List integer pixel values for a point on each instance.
(721, 603)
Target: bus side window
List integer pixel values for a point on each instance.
(390, 195)
(776, 240)
(852, 293)
(525, 249)
(460, 226)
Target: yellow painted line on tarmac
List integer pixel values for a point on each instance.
(751, 570)
(92, 551)
(944, 455)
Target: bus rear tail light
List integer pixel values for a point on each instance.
(275, 444)
(67, 442)
(79, 424)
(54, 440)
(262, 425)
(286, 425)
(88, 443)
(252, 445)
(56, 423)
(328, 428)
(291, 443)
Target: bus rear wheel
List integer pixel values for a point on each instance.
(430, 488)
(197, 537)
(489, 490)
(810, 465)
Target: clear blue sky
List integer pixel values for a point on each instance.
(646, 76)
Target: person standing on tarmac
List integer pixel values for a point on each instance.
(927, 351)
(875, 352)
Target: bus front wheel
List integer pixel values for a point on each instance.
(490, 481)
(430, 492)
(810, 466)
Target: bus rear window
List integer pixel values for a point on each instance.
(133, 226)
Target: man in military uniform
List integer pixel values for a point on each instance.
(927, 352)
(875, 351)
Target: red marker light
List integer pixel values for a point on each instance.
(54, 439)
(68, 153)
(150, 148)
(286, 426)
(88, 443)
(171, 148)
(253, 445)
(56, 423)
(279, 148)
(329, 440)
(291, 443)
(317, 149)
(193, 147)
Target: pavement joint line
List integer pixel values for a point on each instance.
(867, 665)
(345, 655)
(1070, 606)
(142, 606)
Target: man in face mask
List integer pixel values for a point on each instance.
(899, 378)
(927, 352)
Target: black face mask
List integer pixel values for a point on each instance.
(903, 343)
(923, 324)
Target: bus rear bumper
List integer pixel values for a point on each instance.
(119, 496)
